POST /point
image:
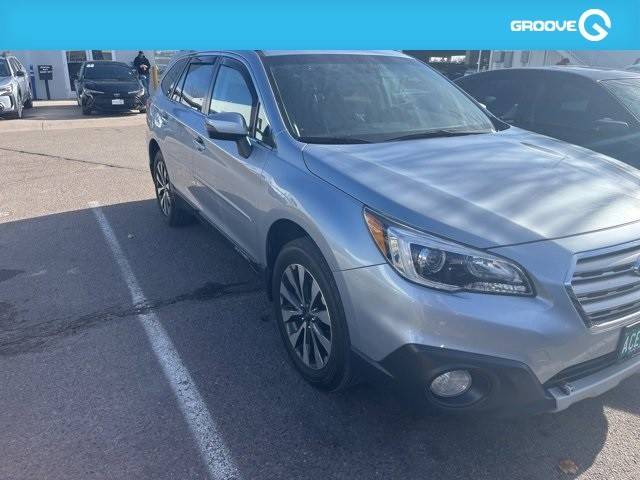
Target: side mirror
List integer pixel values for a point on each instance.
(226, 126)
(610, 126)
(19, 73)
(229, 126)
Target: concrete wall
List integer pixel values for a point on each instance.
(32, 58)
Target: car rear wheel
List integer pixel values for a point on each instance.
(29, 102)
(310, 316)
(173, 210)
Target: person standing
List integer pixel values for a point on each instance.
(142, 66)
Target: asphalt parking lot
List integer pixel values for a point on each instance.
(129, 350)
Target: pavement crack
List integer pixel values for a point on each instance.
(16, 337)
(69, 159)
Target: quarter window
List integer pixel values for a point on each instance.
(196, 85)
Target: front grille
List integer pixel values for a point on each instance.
(606, 286)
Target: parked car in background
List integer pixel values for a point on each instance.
(108, 86)
(593, 108)
(403, 230)
(15, 89)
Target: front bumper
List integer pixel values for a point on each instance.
(104, 102)
(519, 346)
(499, 386)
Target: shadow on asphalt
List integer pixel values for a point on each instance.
(275, 425)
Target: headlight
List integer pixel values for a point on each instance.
(6, 89)
(92, 92)
(443, 264)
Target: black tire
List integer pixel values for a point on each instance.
(29, 103)
(337, 372)
(85, 109)
(173, 209)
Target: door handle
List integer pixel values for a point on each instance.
(199, 143)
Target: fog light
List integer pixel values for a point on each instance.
(451, 384)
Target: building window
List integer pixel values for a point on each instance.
(101, 54)
(76, 55)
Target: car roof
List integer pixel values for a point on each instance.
(275, 53)
(591, 73)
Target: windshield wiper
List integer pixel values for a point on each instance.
(437, 134)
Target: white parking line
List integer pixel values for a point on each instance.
(213, 451)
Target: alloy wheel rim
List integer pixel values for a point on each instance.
(162, 188)
(305, 316)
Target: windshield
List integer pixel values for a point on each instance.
(337, 98)
(627, 91)
(109, 71)
(4, 68)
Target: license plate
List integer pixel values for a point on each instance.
(117, 101)
(629, 342)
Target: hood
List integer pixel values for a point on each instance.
(113, 86)
(485, 190)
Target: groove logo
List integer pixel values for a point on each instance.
(594, 25)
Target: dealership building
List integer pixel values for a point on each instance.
(62, 65)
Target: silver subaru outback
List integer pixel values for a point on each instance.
(407, 235)
(15, 89)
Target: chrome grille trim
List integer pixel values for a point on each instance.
(605, 285)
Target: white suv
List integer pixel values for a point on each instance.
(15, 90)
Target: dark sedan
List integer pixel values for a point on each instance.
(109, 86)
(593, 108)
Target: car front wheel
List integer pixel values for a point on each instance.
(310, 316)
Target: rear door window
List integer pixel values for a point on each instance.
(196, 84)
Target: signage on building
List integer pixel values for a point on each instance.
(45, 72)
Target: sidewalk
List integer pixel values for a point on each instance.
(65, 114)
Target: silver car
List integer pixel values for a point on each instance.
(407, 235)
(15, 89)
